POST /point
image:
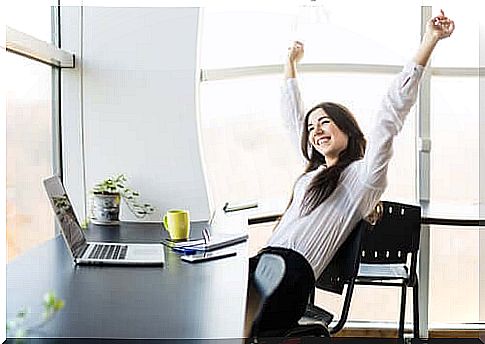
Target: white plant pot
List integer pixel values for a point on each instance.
(105, 209)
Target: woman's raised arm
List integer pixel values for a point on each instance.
(295, 54)
(292, 108)
(397, 103)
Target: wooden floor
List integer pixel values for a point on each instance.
(391, 333)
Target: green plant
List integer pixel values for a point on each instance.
(116, 185)
(17, 328)
(84, 223)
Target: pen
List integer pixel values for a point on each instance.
(205, 232)
(184, 250)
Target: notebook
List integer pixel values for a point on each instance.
(220, 240)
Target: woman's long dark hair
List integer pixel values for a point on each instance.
(325, 182)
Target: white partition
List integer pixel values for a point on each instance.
(137, 113)
(71, 111)
(482, 174)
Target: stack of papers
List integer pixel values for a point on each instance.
(182, 243)
(219, 240)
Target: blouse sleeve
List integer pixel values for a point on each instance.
(292, 109)
(394, 108)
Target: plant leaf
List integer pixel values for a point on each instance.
(58, 305)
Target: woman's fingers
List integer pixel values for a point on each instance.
(295, 51)
(450, 28)
(297, 45)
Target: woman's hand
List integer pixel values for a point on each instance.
(295, 52)
(439, 27)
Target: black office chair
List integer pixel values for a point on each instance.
(341, 271)
(385, 251)
(267, 276)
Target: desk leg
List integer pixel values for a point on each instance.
(423, 278)
(481, 275)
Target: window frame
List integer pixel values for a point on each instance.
(30, 47)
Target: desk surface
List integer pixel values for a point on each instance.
(180, 300)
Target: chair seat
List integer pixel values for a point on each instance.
(316, 314)
(382, 272)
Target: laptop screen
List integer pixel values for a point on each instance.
(71, 230)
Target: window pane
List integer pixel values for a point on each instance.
(454, 134)
(247, 150)
(462, 50)
(31, 17)
(29, 153)
(233, 38)
(369, 304)
(335, 33)
(454, 271)
(331, 33)
(454, 251)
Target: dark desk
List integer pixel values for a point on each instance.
(180, 300)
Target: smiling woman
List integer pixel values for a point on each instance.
(325, 134)
(250, 144)
(333, 195)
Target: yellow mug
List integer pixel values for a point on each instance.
(177, 224)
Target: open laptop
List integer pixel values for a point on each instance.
(84, 252)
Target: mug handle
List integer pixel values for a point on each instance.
(165, 222)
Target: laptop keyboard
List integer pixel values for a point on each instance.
(108, 252)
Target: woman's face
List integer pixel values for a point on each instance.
(325, 136)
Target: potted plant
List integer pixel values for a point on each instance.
(106, 198)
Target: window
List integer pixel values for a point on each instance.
(454, 135)
(454, 271)
(29, 153)
(454, 251)
(247, 151)
(243, 136)
(463, 49)
(30, 133)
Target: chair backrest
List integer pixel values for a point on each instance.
(394, 236)
(344, 266)
(267, 277)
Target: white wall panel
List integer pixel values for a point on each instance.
(71, 110)
(139, 74)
